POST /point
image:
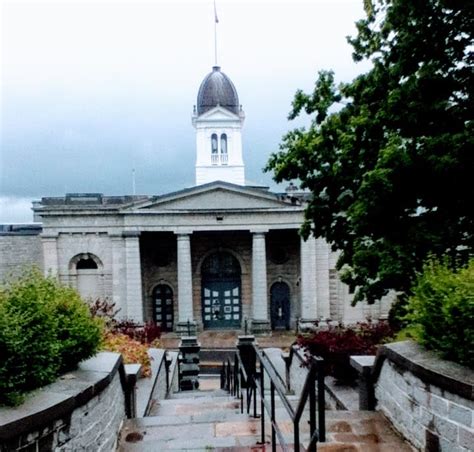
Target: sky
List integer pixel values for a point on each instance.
(92, 89)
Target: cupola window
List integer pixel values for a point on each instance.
(224, 157)
(214, 156)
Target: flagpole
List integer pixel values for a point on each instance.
(216, 21)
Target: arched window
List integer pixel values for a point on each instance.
(86, 264)
(223, 143)
(86, 268)
(214, 155)
(214, 143)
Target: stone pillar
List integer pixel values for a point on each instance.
(50, 254)
(133, 276)
(119, 295)
(185, 286)
(308, 286)
(322, 278)
(260, 322)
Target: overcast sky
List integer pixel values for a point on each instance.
(92, 89)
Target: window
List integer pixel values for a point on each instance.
(214, 155)
(223, 143)
(224, 157)
(214, 143)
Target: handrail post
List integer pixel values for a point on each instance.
(262, 407)
(312, 404)
(272, 414)
(167, 369)
(321, 401)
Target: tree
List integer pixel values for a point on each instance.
(389, 157)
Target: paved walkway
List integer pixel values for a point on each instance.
(210, 420)
(228, 339)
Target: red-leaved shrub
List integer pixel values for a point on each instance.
(337, 343)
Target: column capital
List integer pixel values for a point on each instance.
(50, 236)
(131, 234)
(183, 232)
(259, 231)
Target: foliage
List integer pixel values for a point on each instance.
(133, 351)
(130, 338)
(388, 157)
(441, 311)
(147, 333)
(105, 310)
(337, 343)
(45, 329)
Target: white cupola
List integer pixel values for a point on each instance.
(218, 119)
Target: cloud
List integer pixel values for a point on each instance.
(15, 210)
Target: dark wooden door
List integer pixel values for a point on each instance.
(280, 306)
(221, 304)
(163, 307)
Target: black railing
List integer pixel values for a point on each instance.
(236, 379)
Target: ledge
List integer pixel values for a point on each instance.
(428, 367)
(58, 399)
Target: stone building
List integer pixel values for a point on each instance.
(217, 255)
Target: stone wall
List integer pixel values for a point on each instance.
(429, 401)
(18, 251)
(82, 411)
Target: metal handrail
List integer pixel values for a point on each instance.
(316, 371)
(234, 378)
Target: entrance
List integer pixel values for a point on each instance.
(280, 306)
(163, 307)
(221, 292)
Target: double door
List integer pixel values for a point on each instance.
(221, 304)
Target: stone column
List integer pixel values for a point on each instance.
(133, 276)
(322, 278)
(260, 322)
(308, 282)
(119, 295)
(50, 254)
(185, 286)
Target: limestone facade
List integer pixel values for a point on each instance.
(128, 249)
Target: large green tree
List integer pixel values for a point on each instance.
(389, 157)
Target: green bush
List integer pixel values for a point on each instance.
(45, 329)
(441, 311)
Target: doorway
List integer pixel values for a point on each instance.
(280, 306)
(221, 292)
(163, 307)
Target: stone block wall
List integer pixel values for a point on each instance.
(98, 244)
(17, 252)
(434, 413)
(83, 411)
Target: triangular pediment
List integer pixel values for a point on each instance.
(216, 196)
(218, 114)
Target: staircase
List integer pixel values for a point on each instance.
(210, 420)
(201, 420)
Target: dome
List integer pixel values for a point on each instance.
(217, 89)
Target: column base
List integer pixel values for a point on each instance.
(186, 328)
(260, 327)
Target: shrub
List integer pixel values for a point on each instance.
(147, 333)
(441, 310)
(44, 329)
(337, 343)
(132, 350)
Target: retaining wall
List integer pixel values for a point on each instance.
(429, 400)
(82, 411)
